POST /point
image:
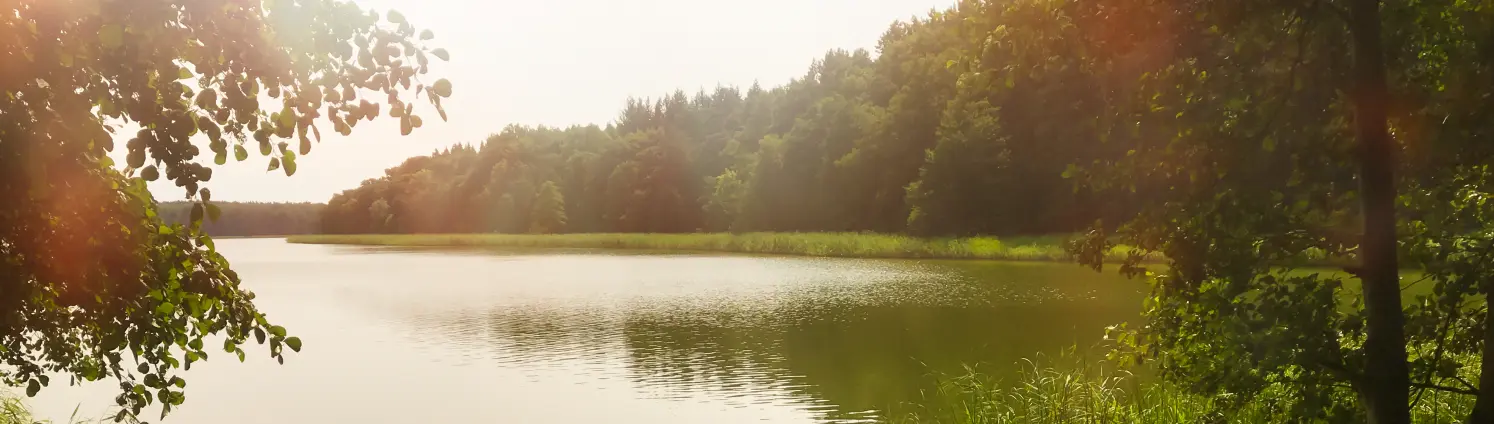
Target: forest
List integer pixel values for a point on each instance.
(247, 219)
(927, 137)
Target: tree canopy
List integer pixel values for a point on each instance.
(93, 283)
(842, 148)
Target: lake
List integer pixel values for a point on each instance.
(555, 336)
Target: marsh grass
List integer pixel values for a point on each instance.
(849, 245)
(1078, 392)
(13, 410)
(1072, 390)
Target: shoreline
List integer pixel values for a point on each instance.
(1047, 248)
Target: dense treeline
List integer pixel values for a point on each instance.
(250, 218)
(917, 139)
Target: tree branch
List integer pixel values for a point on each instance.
(1445, 388)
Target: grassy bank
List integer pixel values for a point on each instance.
(1089, 394)
(850, 245)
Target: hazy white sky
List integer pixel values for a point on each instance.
(563, 62)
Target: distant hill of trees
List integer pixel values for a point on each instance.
(251, 218)
(918, 138)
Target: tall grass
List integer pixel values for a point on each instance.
(1093, 393)
(13, 410)
(1043, 394)
(854, 245)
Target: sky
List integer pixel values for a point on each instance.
(566, 62)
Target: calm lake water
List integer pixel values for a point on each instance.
(401, 336)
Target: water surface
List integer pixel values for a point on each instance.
(545, 336)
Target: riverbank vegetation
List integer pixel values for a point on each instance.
(851, 245)
(1082, 392)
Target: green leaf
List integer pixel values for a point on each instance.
(427, 34)
(178, 382)
(441, 54)
(111, 36)
(136, 157)
(294, 343)
(164, 230)
(32, 388)
(290, 163)
(240, 153)
(183, 73)
(213, 213)
(274, 164)
(259, 335)
(150, 173)
(197, 213)
(195, 344)
(278, 331)
(207, 195)
(305, 144)
(396, 17)
(442, 88)
(220, 158)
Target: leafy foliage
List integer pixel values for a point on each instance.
(1240, 130)
(93, 283)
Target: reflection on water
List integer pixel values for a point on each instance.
(664, 338)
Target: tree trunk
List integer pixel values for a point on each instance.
(1387, 378)
(1483, 408)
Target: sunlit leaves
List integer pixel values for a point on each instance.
(442, 88)
(288, 163)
